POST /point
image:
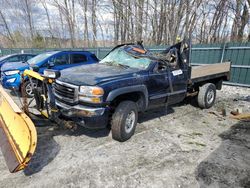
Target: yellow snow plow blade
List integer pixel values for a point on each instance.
(18, 137)
(33, 74)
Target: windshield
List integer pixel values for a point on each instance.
(39, 58)
(4, 57)
(119, 57)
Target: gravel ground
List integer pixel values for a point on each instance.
(182, 146)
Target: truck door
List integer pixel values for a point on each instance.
(179, 85)
(158, 84)
(178, 77)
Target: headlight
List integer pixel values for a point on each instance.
(48, 73)
(91, 94)
(8, 73)
(89, 90)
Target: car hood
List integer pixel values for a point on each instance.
(14, 66)
(95, 74)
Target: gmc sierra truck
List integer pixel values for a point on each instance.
(131, 79)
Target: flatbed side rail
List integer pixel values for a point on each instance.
(212, 71)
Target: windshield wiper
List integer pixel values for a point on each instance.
(110, 63)
(122, 65)
(26, 62)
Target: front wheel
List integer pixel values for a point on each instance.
(27, 88)
(124, 121)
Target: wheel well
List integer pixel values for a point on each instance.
(137, 97)
(217, 82)
(39, 83)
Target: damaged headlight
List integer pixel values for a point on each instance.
(91, 94)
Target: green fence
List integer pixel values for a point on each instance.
(237, 53)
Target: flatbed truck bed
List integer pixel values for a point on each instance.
(212, 71)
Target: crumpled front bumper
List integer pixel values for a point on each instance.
(89, 117)
(80, 110)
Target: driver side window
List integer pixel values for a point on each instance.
(160, 67)
(62, 59)
(45, 64)
(173, 60)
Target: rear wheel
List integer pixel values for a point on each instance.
(207, 95)
(124, 121)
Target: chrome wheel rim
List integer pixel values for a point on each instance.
(130, 122)
(210, 96)
(28, 88)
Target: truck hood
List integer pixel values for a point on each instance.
(95, 74)
(14, 66)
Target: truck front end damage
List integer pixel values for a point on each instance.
(88, 117)
(74, 104)
(18, 137)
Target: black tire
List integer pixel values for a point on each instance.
(26, 87)
(126, 110)
(206, 96)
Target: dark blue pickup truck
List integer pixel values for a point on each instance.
(131, 79)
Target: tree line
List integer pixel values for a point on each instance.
(91, 23)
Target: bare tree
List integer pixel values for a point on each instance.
(45, 6)
(6, 26)
(67, 10)
(241, 19)
(93, 20)
(26, 8)
(84, 5)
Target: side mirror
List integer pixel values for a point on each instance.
(162, 68)
(50, 64)
(49, 73)
(35, 68)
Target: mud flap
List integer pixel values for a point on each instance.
(18, 136)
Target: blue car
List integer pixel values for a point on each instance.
(11, 72)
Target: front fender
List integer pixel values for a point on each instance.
(129, 89)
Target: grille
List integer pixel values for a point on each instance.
(65, 92)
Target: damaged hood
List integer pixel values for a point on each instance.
(95, 74)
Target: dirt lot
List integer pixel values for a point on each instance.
(181, 146)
